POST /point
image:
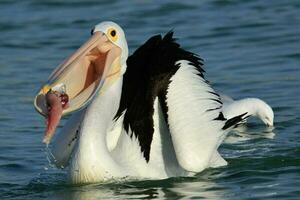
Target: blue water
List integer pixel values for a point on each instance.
(251, 49)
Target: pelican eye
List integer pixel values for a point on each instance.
(112, 34)
(92, 31)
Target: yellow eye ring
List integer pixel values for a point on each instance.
(112, 34)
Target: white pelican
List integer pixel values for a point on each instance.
(252, 106)
(152, 115)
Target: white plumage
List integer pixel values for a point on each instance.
(183, 110)
(195, 134)
(99, 156)
(253, 106)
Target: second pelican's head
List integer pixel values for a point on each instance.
(99, 61)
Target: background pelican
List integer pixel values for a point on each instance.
(154, 116)
(252, 106)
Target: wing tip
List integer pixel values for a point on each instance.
(234, 121)
(169, 36)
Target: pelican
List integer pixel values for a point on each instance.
(151, 115)
(252, 106)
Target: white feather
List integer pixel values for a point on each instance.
(252, 106)
(195, 134)
(217, 160)
(114, 132)
(91, 160)
(106, 151)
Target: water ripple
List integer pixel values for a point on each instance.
(250, 48)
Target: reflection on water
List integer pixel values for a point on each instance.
(244, 133)
(203, 185)
(159, 189)
(207, 189)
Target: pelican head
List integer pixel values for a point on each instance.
(266, 114)
(81, 76)
(89, 71)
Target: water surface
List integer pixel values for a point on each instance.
(251, 49)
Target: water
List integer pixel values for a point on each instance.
(251, 48)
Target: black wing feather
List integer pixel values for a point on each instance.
(148, 74)
(149, 70)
